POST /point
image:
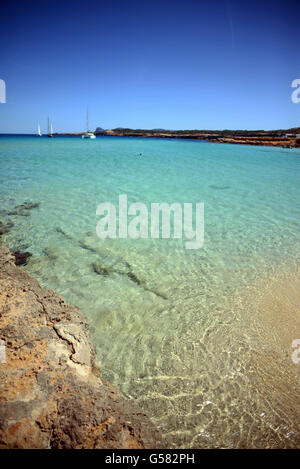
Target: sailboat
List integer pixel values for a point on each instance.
(39, 131)
(50, 128)
(88, 133)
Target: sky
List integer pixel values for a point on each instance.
(191, 64)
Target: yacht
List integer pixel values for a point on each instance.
(88, 133)
(50, 128)
(39, 131)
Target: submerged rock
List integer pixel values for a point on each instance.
(221, 188)
(111, 263)
(51, 392)
(5, 227)
(21, 257)
(52, 253)
(101, 269)
(61, 231)
(124, 268)
(23, 209)
(28, 205)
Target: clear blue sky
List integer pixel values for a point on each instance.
(188, 64)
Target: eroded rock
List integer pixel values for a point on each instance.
(51, 393)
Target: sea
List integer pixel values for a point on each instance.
(203, 339)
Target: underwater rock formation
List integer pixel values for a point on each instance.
(21, 210)
(21, 257)
(5, 227)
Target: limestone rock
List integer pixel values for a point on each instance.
(51, 393)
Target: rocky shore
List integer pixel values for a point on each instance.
(51, 391)
(289, 138)
(285, 139)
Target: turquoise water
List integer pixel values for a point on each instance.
(179, 330)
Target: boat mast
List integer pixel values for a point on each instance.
(87, 118)
(50, 128)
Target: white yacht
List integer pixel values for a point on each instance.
(39, 131)
(50, 128)
(88, 133)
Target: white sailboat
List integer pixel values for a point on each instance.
(88, 133)
(50, 128)
(39, 130)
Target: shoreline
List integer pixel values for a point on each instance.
(288, 138)
(52, 394)
(198, 368)
(43, 396)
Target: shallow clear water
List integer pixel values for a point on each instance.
(201, 338)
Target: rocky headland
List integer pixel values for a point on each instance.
(289, 138)
(51, 391)
(280, 138)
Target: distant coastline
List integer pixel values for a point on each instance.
(286, 138)
(289, 138)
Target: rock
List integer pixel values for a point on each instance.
(51, 392)
(101, 269)
(27, 206)
(23, 209)
(5, 227)
(52, 253)
(21, 257)
(61, 231)
(221, 188)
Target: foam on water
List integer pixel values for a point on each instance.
(202, 339)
